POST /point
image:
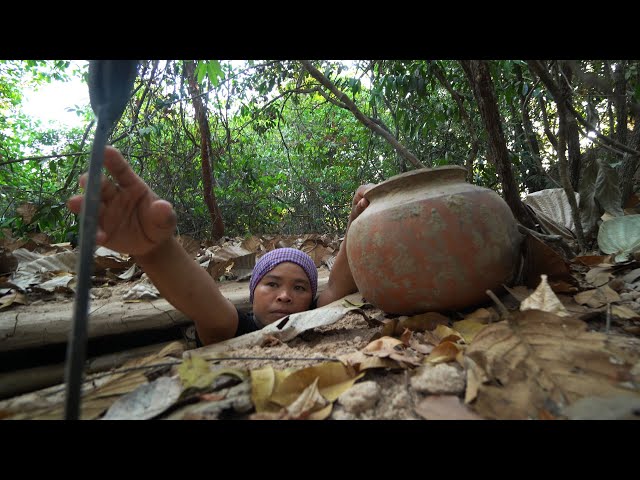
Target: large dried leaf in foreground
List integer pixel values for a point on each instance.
(263, 383)
(537, 360)
(334, 378)
(146, 401)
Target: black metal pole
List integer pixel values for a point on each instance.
(77, 344)
(110, 83)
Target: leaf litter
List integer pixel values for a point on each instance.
(546, 359)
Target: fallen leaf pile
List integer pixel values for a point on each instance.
(562, 344)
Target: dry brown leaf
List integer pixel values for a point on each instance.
(361, 361)
(445, 333)
(195, 372)
(406, 359)
(389, 347)
(8, 263)
(430, 338)
(40, 238)
(146, 401)
(388, 327)
(383, 347)
(444, 407)
(422, 322)
(537, 359)
(597, 297)
(598, 276)
(621, 311)
(444, 352)
(262, 383)
(631, 276)
(333, 379)
(100, 394)
(11, 298)
(544, 299)
(252, 244)
(476, 376)
(561, 286)
(419, 347)
(106, 258)
(542, 259)
(190, 244)
(406, 337)
(483, 315)
(352, 303)
(468, 328)
(309, 401)
(519, 293)
(228, 257)
(617, 284)
(27, 211)
(592, 260)
(316, 251)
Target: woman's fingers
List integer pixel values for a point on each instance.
(108, 189)
(120, 168)
(75, 203)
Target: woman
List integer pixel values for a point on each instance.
(134, 220)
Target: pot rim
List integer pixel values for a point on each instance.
(416, 177)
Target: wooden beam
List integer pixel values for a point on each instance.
(49, 323)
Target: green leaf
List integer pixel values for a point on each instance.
(620, 236)
(214, 72)
(201, 70)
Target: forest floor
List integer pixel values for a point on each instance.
(564, 346)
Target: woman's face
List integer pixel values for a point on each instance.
(282, 291)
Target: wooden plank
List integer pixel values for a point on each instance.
(35, 378)
(28, 326)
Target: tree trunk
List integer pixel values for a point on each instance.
(620, 101)
(630, 164)
(573, 139)
(477, 72)
(217, 225)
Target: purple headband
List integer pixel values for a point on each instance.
(272, 259)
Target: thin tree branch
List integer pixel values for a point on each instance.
(45, 157)
(315, 73)
(439, 74)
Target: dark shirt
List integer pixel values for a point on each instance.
(248, 323)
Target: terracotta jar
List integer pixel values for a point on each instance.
(429, 241)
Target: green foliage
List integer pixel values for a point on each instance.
(285, 158)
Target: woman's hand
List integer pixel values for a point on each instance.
(341, 280)
(359, 203)
(132, 218)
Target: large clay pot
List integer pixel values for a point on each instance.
(429, 241)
